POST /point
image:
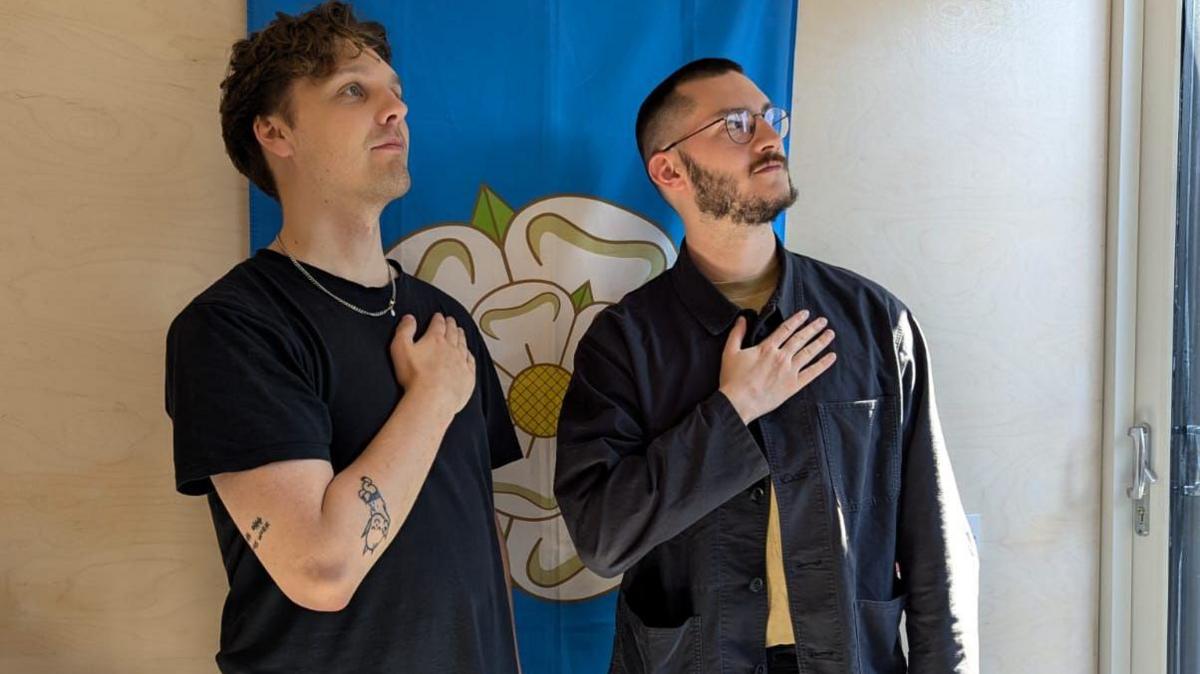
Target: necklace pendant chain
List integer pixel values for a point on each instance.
(389, 309)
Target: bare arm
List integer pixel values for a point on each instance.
(317, 533)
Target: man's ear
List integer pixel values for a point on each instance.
(666, 172)
(274, 135)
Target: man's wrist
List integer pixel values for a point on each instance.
(739, 406)
(429, 403)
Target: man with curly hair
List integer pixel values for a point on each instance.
(342, 417)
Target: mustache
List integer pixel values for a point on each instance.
(773, 157)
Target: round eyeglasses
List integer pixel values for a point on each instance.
(741, 124)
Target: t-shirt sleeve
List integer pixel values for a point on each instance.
(240, 394)
(502, 438)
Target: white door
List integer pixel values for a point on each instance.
(1147, 611)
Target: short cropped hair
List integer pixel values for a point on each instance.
(665, 103)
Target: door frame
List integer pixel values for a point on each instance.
(1145, 46)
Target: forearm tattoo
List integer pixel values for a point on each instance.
(260, 526)
(378, 522)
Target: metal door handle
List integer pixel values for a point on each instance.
(1143, 477)
(1143, 473)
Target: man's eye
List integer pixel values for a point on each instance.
(738, 121)
(355, 90)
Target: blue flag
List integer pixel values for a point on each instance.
(529, 204)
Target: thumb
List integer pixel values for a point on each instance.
(734, 343)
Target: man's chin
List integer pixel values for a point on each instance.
(394, 186)
(763, 211)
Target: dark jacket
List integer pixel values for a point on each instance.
(658, 478)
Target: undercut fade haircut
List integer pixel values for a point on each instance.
(665, 103)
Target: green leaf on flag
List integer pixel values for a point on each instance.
(582, 296)
(492, 216)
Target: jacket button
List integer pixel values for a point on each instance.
(756, 585)
(757, 494)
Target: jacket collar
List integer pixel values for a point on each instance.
(706, 303)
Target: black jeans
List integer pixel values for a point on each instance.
(781, 660)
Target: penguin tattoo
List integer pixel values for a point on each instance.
(378, 522)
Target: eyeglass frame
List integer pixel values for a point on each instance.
(725, 118)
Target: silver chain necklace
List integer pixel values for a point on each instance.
(389, 309)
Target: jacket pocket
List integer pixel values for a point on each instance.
(862, 450)
(656, 650)
(878, 636)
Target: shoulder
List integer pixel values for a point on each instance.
(239, 301)
(829, 279)
(619, 327)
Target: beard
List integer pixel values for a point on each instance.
(717, 195)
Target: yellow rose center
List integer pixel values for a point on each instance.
(535, 399)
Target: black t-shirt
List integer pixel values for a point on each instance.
(264, 367)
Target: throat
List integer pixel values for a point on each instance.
(752, 293)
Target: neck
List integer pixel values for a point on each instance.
(727, 252)
(343, 242)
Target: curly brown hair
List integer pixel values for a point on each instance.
(264, 65)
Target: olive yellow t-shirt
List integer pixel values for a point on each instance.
(753, 294)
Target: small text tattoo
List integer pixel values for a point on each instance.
(378, 521)
(260, 525)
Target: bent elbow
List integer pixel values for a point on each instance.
(596, 549)
(323, 600)
(326, 588)
(606, 563)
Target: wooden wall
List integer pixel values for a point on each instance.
(117, 205)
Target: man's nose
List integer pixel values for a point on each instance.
(394, 111)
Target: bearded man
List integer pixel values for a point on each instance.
(774, 506)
